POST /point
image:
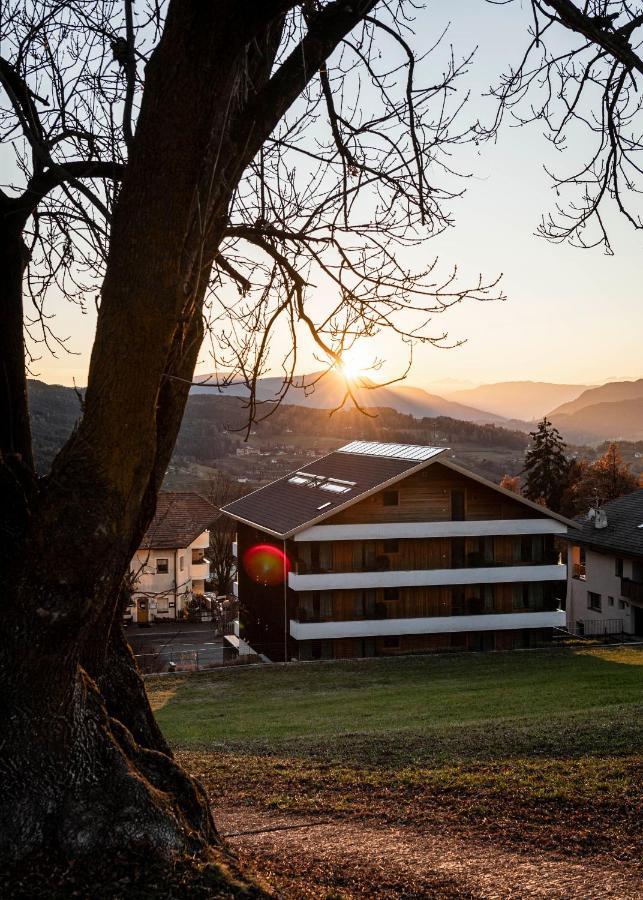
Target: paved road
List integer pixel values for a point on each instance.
(189, 645)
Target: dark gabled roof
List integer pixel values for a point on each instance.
(180, 518)
(623, 534)
(284, 507)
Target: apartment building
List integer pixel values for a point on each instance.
(170, 567)
(605, 587)
(380, 549)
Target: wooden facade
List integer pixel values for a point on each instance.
(433, 495)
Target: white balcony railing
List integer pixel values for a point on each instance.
(303, 631)
(329, 581)
(387, 530)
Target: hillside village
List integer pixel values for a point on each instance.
(213, 436)
(321, 450)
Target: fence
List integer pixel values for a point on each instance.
(600, 627)
(197, 660)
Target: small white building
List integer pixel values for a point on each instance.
(170, 568)
(605, 580)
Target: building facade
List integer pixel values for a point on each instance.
(605, 564)
(170, 568)
(384, 549)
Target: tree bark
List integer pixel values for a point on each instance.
(84, 768)
(15, 432)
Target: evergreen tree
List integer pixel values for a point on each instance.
(546, 466)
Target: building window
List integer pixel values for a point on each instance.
(181, 563)
(321, 556)
(197, 557)
(520, 596)
(457, 553)
(623, 604)
(326, 605)
(594, 601)
(391, 595)
(457, 506)
(366, 603)
(618, 568)
(162, 566)
(579, 568)
(391, 546)
(610, 601)
(391, 498)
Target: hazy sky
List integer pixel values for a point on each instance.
(571, 315)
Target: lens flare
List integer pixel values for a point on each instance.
(266, 564)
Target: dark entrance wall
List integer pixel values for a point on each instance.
(261, 607)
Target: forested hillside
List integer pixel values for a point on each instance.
(214, 429)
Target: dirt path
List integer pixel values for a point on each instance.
(348, 859)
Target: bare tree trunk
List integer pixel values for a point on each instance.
(15, 433)
(83, 766)
(78, 735)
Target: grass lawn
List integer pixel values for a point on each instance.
(532, 750)
(424, 695)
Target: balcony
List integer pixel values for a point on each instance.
(329, 581)
(470, 528)
(632, 590)
(471, 606)
(359, 628)
(386, 562)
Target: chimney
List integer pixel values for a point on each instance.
(600, 519)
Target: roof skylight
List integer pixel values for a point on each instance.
(324, 483)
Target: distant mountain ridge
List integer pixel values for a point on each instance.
(329, 392)
(611, 411)
(620, 420)
(612, 392)
(518, 399)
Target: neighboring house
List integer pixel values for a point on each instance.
(605, 588)
(392, 548)
(170, 567)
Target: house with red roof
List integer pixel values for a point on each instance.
(170, 568)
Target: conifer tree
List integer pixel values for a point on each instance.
(546, 466)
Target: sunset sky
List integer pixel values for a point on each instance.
(571, 315)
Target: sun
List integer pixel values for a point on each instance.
(355, 363)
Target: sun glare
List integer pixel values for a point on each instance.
(356, 363)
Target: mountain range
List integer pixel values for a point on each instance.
(611, 411)
(329, 392)
(528, 400)
(586, 415)
(608, 412)
(612, 392)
